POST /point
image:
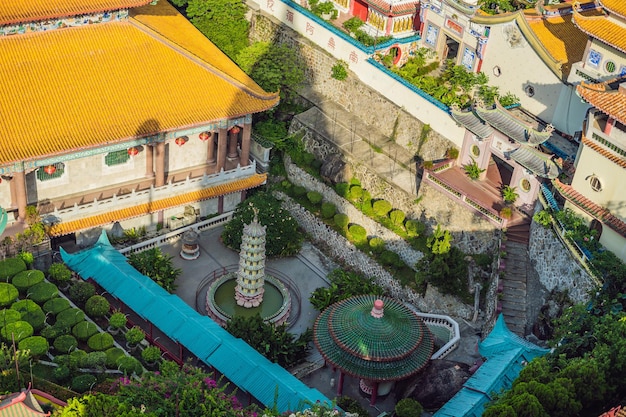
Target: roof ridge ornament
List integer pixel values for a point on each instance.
(377, 310)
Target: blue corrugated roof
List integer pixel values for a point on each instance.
(231, 356)
(506, 353)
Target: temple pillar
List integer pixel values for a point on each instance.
(232, 142)
(244, 158)
(340, 384)
(19, 184)
(221, 149)
(13, 192)
(149, 161)
(374, 393)
(609, 126)
(220, 204)
(210, 152)
(160, 165)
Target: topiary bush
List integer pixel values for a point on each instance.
(81, 291)
(381, 207)
(342, 189)
(94, 360)
(72, 361)
(37, 345)
(61, 373)
(11, 267)
(328, 210)
(414, 228)
(18, 330)
(100, 341)
(408, 407)
(24, 306)
(129, 365)
(134, 335)
(113, 354)
(397, 217)
(65, 343)
(84, 330)
(8, 315)
(27, 257)
(83, 383)
(299, 191)
(56, 305)
(59, 273)
(70, 317)
(357, 233)
(390, 258)
(356, 192)
(42, 292)
(118, 320)
(97, 306)
(26, 279)
(314, 197)
(377, 245)
(8, 294)
(31, 313)
(341, 220)
(151, 354)
(52, 332)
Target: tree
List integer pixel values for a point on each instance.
(343, 284)
(222, 21)
(439, 241)
(157, 265)
(446, 271)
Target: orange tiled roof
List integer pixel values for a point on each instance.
(16, 11)
(82, 87)
(606, 99)
(563, 41)
(615, 6)
(602, 151)
(603, 29)
(591, 208)
(65, 228)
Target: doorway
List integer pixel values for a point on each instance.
(451, 50)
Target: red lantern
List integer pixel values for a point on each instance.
(204, 136)
(50, 169)
(180, 141)
(133, 151)
(235, 130)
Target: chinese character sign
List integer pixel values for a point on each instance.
(331, 43)
(309, 28)
(270, 5)
(289, 16)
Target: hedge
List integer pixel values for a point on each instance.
(314, 197)
(381, 207)
(18, 330)
(328, 210)
(100, 341)
(65, 343)
(129, 365)
(56, 305)
(82, 383)
(397, 216)
(97, 306)
(84, 330)
(377, 245)
(8, 294)
(11, 267)
(357, 233)
(81, 291)
(8, 315)
(26, 279)
(70, 317)
(113, 354)
(341, 220)
(42, 292)
(37, 345)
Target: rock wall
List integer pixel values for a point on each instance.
(555, 266)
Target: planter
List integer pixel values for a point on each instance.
(113, 330)
(131, 347)
(327, 16)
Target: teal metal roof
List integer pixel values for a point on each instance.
(3, 219)
(232, 357)
(506, 355)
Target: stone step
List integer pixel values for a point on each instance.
(514, 293)
(510, 306)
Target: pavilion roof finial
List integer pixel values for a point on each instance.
(377, 310)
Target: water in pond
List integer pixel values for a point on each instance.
(225, 300)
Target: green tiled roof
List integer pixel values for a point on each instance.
(389, 348)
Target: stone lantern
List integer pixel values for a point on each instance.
(190, 249)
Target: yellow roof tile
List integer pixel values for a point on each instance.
(85, 223)
(603, 29)
(563, 41)
(82, 87)
(15, 11)
(614, 6)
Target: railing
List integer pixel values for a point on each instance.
(176, 234)
(436, 320)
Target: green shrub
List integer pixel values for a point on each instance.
(59, 273)
(328, 210)
(100, 341)
(56, 305)
(70, 317)
(158, 266)
(414, 228)
(339, 71)
(355, 181)
(351, 25)
(84, 330)
(408, 407)
(31, 313)
(8, 315)
(390, 258)
(151, 354)
(83, 383)
(113, 354)
(42, 292)
(81, 291)
(129, 365)
(37, 345)
(397, 217)
(350, 405)
(377, 245)
(357, 233)
(27, 257)
(381, 208)
(543, 217)
(94, 360)
(61, 373)
(118, 320)
(314, 197)
(52, 332)
(17, 330)
(65, 343)
(356, 192)
(72, 361)
(342, 189)
(26, 279)
(341, 220)
(299, 191)
(134, 335)
(24, 306)
(8, 294)
(97, 306)
(11, 267)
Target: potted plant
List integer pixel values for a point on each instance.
(472, 170)
(134, 336)
(509, 194)
(60, 275)
(117, 321)
(151, 355)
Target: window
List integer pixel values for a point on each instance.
(525, 185)
(610, 67)
(595, 183)
(50, 172)
(475, 150)
(530, 90)
(116, 157)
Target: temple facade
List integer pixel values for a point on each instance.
(119, 111)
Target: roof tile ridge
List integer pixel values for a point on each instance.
(601, 2)
(520, 121)
(227, 77)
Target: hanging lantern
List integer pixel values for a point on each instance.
(133, 151)
(180, 141)
(50, 169)
(235, 130)
(204, 136)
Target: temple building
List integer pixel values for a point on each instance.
(597, 190)
(397, 18)
(119, 111)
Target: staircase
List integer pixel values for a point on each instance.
(512, 286)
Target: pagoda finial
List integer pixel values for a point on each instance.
(377, 310)
(256, 213)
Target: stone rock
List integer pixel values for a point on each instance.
(438, 383)
(335, 169)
